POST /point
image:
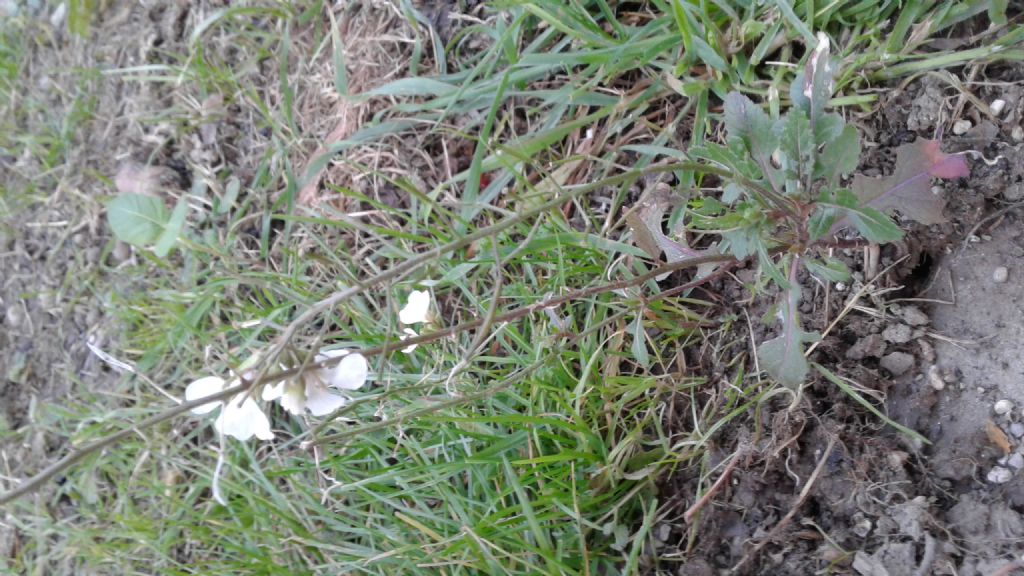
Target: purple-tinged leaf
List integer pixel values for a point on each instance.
(645, 221)
(908, 189)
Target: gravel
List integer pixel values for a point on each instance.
(897, 363)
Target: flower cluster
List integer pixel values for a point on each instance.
(242, 418)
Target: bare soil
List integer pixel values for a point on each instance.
(935, 342)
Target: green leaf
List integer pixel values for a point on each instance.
(783, 357)
(828, 269)
(874, 225)
(745, 121)
(821, 220)
(812, 87)
(169, 237)
(413, 87)
(230, 195)
(639, 346)
(769, 267)
(997, 12)
(828, 127)
(871, 223)
(137, 219)
(732, 192)
(796, 140)
(742, 241)
(840, 156)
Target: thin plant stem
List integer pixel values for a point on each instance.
(76, 455)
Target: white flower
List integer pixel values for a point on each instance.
(409, 333)
(240, 417)
(416, 309)
(311, 390)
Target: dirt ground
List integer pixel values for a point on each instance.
(939, 338)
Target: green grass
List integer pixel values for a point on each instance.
(554, 472)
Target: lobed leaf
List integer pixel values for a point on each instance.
(645, 222)
(840, 156)
(908, 189)
(783, 357)
(828, 269)
(745, 121)
(872, 224)
(796, 140)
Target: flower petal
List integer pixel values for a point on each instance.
(243, 419)
(349, 374)
(409, 333)
(273, 391)
(416, 308)
(294, 398)
(320, 400)
(202, 388)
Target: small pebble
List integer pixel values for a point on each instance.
(960, 127)
(1017, 134)
(862, 525)
(1016, 461)
(664, 531)
(1014, 192)
(997, 106)
(1003, 407)
(121, 252)
(897, 363)
(912, 315)
(14, 316)
(897, 333)
(999, 475)
(1017, 429)
(935, 378)
(927, 352)
(1000, 274)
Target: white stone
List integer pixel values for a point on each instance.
(1003, 407)
(935, 378)
(1017, 134)
(960, 127)
(1016, 461)
(999, 475)
(997, 106)
(1000, 274)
